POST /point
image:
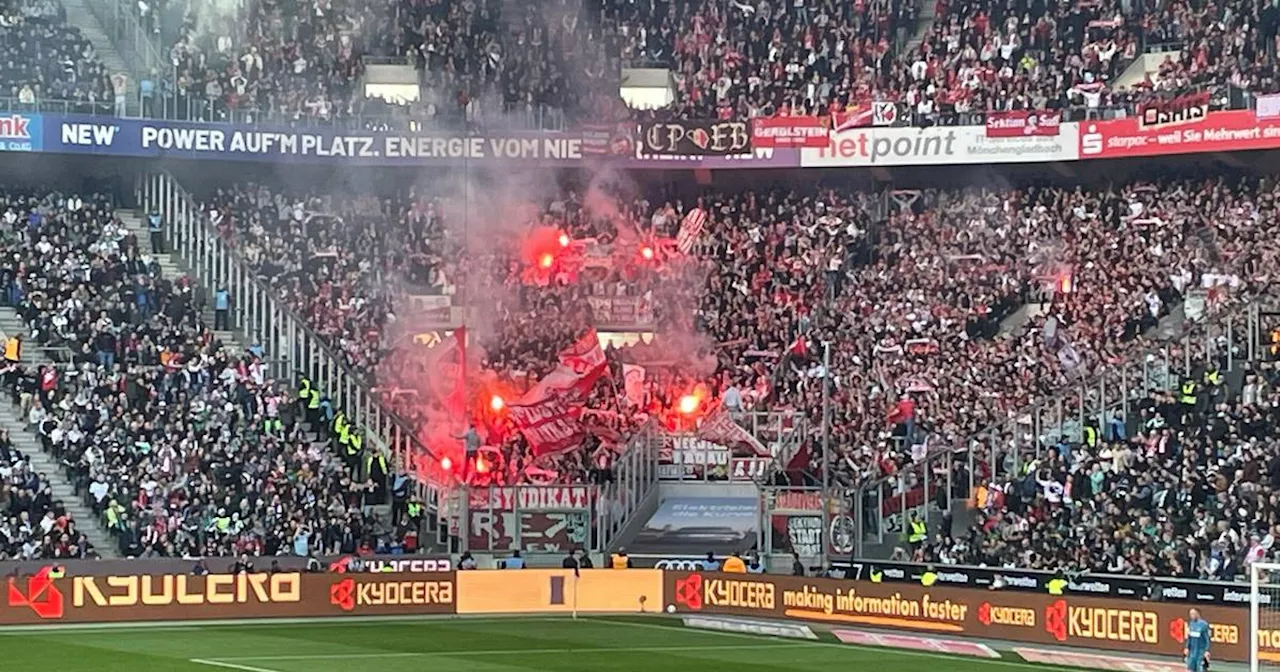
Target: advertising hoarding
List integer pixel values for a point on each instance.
(938, 146)
(1036, 618)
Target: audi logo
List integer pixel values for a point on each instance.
(679, 565)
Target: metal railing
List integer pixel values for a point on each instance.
(1001, 450)
(121, 23)
(553, 521)
(267, 322)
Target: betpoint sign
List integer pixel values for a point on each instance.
(938, 146)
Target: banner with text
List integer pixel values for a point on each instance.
(1150, 628)
(789, 132)
(938, 146)
(695, 138)
(164, 597)
(146, 138)
(1019, 123)
(1229, 131)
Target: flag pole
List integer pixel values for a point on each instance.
(826, 450)
(576, 576)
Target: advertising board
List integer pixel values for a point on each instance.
(1120, 625)
(534, 591)
(1094, 585)
(939, 146)
(150, 138)
(1227, 131)
(136, 598)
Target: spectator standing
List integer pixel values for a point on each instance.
(221, 309)
(155, 226)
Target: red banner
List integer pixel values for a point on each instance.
(789, 132)
(1228, 131)
(1176, 112)
(544, 418)
(1023, 123)
(584, 356)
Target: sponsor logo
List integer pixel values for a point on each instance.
(678, 565)
(348, 595)
(990, 614)
(884, 113)
(689, 591)
(128, 591)
(41, 596)
(1064, 621)
(353, 564)
(15, 127)
(1174, 593)
(1022, 582)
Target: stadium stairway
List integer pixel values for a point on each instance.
(44, 463)
(80, 17)
(172, 268)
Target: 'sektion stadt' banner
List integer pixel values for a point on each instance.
(1119, 625)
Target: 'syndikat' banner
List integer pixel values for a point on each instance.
(1019, 123)
(1227, 131)
(695, 138)
(1149, 628)
(799, 131)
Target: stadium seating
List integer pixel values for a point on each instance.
(184, 446)
(42, 58)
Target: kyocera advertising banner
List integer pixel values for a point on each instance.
(1228, 131)
(132, 598)
(1120, 625)
(106, 136)
(939, 146)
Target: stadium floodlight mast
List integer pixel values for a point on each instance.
(1264, 615)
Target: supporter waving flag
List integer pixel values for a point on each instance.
(690, 229)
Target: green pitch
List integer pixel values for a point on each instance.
(457, 645)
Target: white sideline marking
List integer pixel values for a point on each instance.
(233, 666)
(511, 652)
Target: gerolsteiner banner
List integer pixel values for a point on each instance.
(1097, 623)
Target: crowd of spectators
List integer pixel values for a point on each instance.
(184, 447)
(1190, 494)
(33, 524)
(911, 308)
(43, 58)
(490, 62)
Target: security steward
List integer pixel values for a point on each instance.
(304, 391)
(734, 565)
(919, 531)
(620, 560)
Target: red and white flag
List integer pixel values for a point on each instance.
(690, 229)
(633, 382)
(720, 428)
(447, 368)
(543, 416)
(584, 356)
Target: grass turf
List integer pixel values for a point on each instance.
(470, 645)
